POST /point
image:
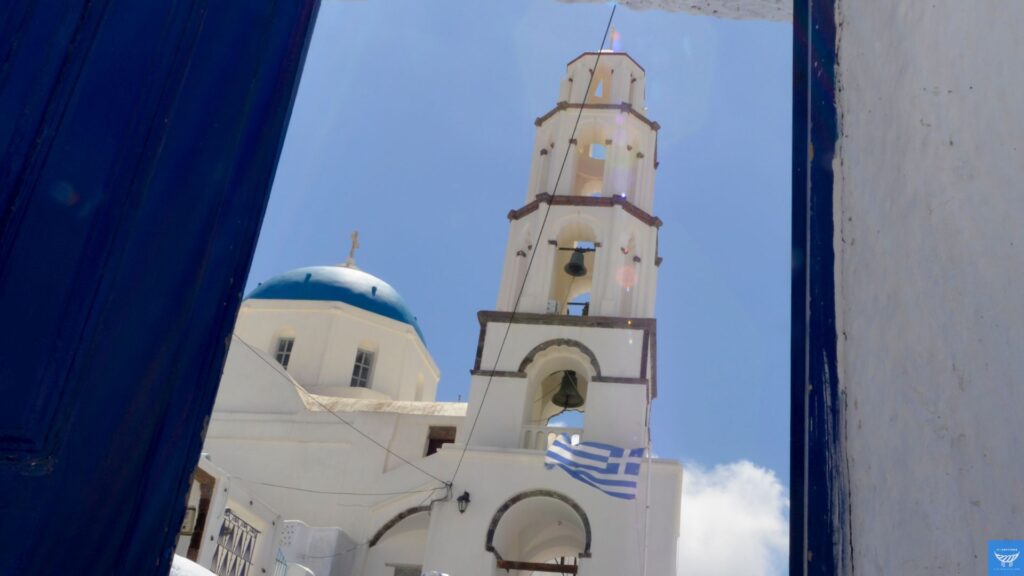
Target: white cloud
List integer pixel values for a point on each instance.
(735, 520)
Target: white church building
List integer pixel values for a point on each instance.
(327, 453)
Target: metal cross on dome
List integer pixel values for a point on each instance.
(351, 262)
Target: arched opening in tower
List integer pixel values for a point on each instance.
(601, 85)
(559, 380)
(572, 275)
(539, 530)
(591, 154)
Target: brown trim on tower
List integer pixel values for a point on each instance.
(528, 359)
(496, 519)
(619, 380)
(606, 55)
(592, 201)
(497, 373)
(563, 569)
(648, 353)
(653, 355)
(485, 316)
(479, 351)
(395, 520)
(625, 107)
(643, 354)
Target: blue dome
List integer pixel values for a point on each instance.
(338, 284)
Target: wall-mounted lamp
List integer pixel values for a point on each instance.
(463, 502)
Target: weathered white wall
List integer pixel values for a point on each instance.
(327, 335)
(456, 542)
(930, 278)
(230, 493)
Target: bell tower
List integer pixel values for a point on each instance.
(574, 324)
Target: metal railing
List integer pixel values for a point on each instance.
(540, 437)
(235, 547)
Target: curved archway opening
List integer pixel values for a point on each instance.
(538, 526)
(576, 243)
(591, 154)
(555, 369)
(402, 541)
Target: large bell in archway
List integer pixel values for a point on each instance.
(575, 267)
(568, 395)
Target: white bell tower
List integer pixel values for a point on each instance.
(587, 304)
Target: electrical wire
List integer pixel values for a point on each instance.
(312, 491)
(533, 253)
(335, 414)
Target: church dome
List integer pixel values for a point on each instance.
(338, 284)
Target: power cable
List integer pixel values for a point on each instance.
(533, 253)
(312, 491)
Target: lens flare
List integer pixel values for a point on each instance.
(626, 276)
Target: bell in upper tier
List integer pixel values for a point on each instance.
(568, 396)
(575, 267)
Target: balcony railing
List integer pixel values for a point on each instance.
(540, 437)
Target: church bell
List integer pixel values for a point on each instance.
(568, 396)
(575, 267)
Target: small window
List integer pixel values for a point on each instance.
(439, 436)
(597, 151)
(408, 570)
(362, 369)
(599, 90)
(284, 351)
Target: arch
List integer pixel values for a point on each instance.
(496, 519)
(394, 522)
(528, 359)
(574, 232)
(588, 166)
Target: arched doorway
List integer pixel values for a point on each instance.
(532, 528)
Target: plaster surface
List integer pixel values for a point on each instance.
(738, 9)
(930, 272)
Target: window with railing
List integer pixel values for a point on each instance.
(235, 547)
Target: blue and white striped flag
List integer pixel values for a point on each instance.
(608, 468)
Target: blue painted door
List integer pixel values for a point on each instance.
(139, 144)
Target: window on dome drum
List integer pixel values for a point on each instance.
(284, 351)
(439, 436)
(362, 369)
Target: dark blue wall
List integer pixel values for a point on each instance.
(139, 144)
(819, 489)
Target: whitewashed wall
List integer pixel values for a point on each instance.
(930, 280)
(327, 335)
(234, 494)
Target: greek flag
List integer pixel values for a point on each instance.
(608, 468)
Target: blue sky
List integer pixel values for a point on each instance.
(414, 124)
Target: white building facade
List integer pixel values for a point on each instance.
(327, 412)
